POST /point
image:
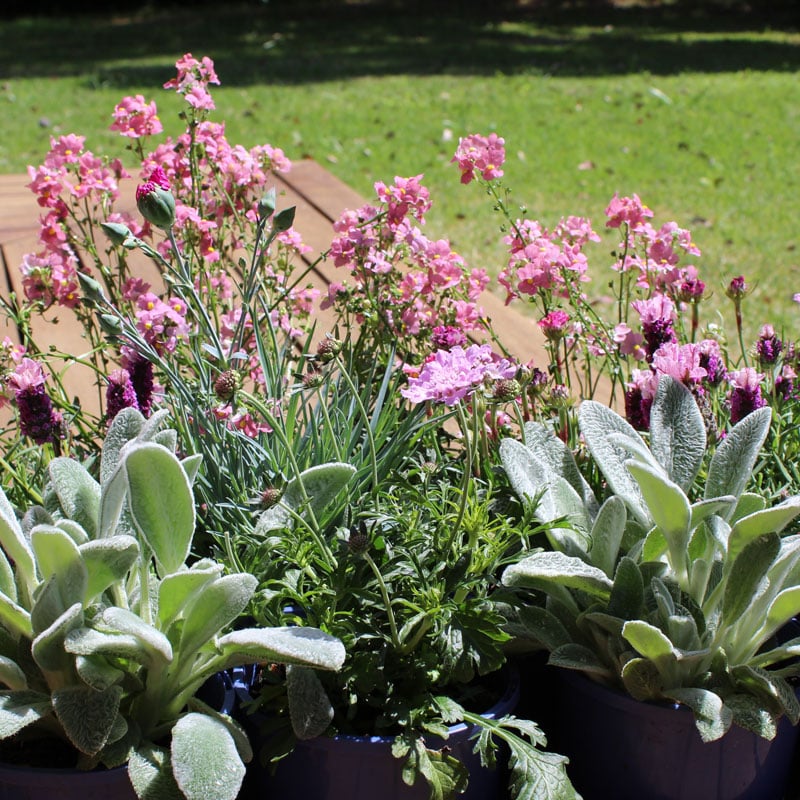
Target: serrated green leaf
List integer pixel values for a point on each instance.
(446, 775)
(161, 503)
(205, 761)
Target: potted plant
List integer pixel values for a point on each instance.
(675, 590)
(108, 632)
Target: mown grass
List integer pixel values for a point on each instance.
(698, 115)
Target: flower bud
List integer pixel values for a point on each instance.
(116, 232)
(266, 205)
(92, 291)
(328, 349)
(225, 385)
(283, 220)
(156, 205)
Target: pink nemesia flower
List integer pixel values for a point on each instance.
(629, 343)
(629, 210)
(134, 117)
(476, 153)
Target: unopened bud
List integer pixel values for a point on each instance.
(283, 220)
(116, 232)
(266, 205)
(156, 205)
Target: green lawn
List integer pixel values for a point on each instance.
(698, 115)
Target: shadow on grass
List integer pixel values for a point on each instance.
(262, 43)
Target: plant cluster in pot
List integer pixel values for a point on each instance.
(423, 706)
(674, 593)
(107, 634)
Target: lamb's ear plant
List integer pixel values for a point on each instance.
(679, 585)
(106, 633)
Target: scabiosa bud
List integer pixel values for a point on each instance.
(768, 346)
(506, 389)
(358, 541)
(745, 396)
(119, 393)
(155, 202)
(328, 349)
(737, 288)
(446, 337)
(270, 497)
(226, 384)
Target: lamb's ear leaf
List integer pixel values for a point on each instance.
(12, 675)
(597, 424)
(114, 620)
(541, 570)
(58, 555)
(712, 717)
(732, 463)
(219, 604)
(179, 588)
(607, 533)
(108, 561)
(677, 432)
(750, 714)
(18, 709)
(310, 709)
(125, 426)
(86, 715)
(286, 645)
(15, 543)
(205, 761)
(78, 492)
(746, 575)
(150, 773)
(235, 729)
(161, 503)
(48, 647)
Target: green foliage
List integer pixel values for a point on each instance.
(675, 597)
(110, 632)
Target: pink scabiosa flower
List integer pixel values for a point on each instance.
(119, 393)
(745, 396)
(451, 375)
(480, 154)
(679, 361)
(446, 337)
(37, 417)
(658, 318)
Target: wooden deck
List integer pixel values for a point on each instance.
(319, 198)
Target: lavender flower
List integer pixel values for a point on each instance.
(658, 319)
(745, 396)
(37, 417)
(768, 346)
(119, 393)
(141, 375)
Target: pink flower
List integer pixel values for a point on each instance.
(745, 396)
(629, 342)
(681, 362)
(134, 117)
(627, 210)
(554, 324)
(405, 196)
(481, 154)
(451, 375)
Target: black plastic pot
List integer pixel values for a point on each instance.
(36, 783)
(624, 749)
(363, 767)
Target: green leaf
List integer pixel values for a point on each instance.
(178, 589)
(89, 642)
(703, 509)
(15, 618)
(12, 675)
(205, 761)
(310, 710)
(578, 657)
(48, 647)
(751, 715)
(57, 554)
(15, 543)
(732, 463)
(784, 607)
(677, 432)
(120, 621)
(287, 645)
(74, 530)
(150, 773)
(770, 520)
(747, 575)
(597, 423)
(97, 673)
(642, 679)
(108, 561)
(649, 641)
(125, 426)
(541, 626)
(78, 492)
(627, 596)
(161, 503)
(219, 604)
(537, 775)
(669, 508)
(18, 709)
(773, 688)
(712, 718)
(87, 716)
(607, 533)
(540, 570)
